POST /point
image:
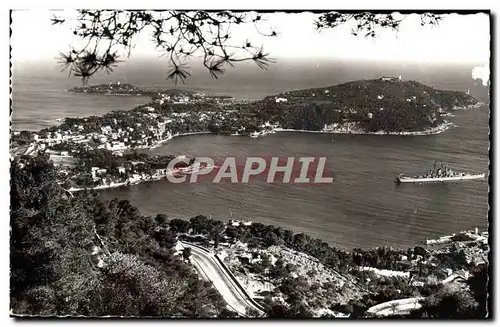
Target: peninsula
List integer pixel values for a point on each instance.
(388, 105)
(90, 150)
(176, 95)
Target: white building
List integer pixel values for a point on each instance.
(391, 79)
(106, 129)
(93, 171)
(100, 172)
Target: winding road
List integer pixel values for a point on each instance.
(238, 300)
(400, 307)
(211, 269)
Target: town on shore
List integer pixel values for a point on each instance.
(102, 151)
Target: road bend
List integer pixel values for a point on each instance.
(206, 264)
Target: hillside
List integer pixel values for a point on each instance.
(367, 93)
(373, 105)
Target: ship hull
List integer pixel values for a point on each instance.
(436, 180)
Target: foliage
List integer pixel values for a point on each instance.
(367, 23)
(180, 35)
(183, 35)
(448, 302)
(73, 255)
(461, 237)
(478, 283)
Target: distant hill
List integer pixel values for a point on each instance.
(388, 104)
(367, 92)
(128, 89)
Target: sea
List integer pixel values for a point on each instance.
(363, 207)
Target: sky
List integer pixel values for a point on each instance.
(457, 39)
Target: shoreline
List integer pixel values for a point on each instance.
(131, 181)
(159, 143)
(116, 185)
(431, 131)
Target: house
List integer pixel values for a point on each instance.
(100, 172)
(93, 171)
(121, 170)
(278, 100)
(391, 79)
(135, 163)
(417, 283)
(161, 172)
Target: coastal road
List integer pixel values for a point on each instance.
(400, 307)
(210, 269)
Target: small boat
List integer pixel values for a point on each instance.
(191, 169)
(442, 174)
(254, 135)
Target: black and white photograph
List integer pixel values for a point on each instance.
(261, 165)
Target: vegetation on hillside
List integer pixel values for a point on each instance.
(376, 105)
(75, 255)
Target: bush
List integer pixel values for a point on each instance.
(461, 237)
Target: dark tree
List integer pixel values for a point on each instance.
(186, 253)
(181, 35)
(62, 264)
(478, 284)
(161, 219)
(277, 311)
(179, 225)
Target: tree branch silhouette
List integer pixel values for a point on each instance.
(182, 35)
